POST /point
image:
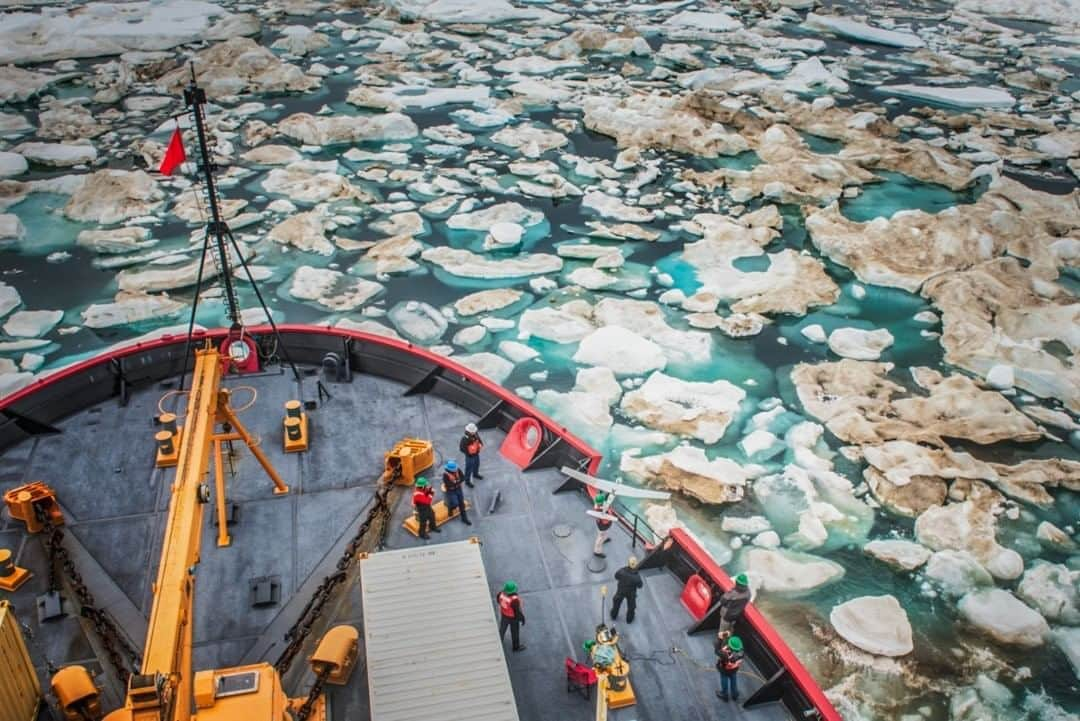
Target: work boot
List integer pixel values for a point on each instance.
(629, 618)
(614, 614)
(722, 696)
(469, 484)
(436, 530)
(519, 647)
(734, 697)
(599, 555)
(478, 477)
(425, 537)
(465, 520)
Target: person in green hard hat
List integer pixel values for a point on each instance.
(511, 614)
(728, 660)
(733, 603)
(421, 500)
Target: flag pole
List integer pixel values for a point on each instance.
(195, 98)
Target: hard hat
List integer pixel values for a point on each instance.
(742, 580)
(470, 428)
(451, 465)
(632, 562)
(509, 587)
(735, 643)
(421, 482)
(600, 497)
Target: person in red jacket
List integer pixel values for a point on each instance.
(510, 614)
(470, 445)
(601, 504)
(421, 500)
(728, 659)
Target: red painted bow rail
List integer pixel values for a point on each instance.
(110, 374)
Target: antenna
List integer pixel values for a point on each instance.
(218, 229)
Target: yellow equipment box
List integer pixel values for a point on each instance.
(412, 457)
(20, 692)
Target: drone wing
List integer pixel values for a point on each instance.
(619, 489)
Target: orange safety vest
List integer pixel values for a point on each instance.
(474, 447)
(506, 604)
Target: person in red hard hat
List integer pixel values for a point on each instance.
(510, 614)
(728, 660)
(470, 445)
(421, 500)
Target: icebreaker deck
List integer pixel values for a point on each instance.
(101, 464)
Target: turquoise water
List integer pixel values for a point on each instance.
(760, 365)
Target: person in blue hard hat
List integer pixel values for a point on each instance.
(452, 481)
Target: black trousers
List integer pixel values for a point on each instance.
(515, 629)
(426, 516)
(631, 605)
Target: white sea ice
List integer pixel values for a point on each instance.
(961, 97)
(904, 555)
(300, 40)
(688, 470)
(500, 214)
(330, 130)
(488, 365)
(99, 29)
(466, 264)
(875, 624)
(1003, 617)
(558, 325)
(9, 299)
(32, 323)
(130, 308)
(717, 22)
(588, 414)
(331, 289)
(860, 344)
(814, 333)
(746, 525)
(1001, 377)
(666, 403)
(419, 322)
(608, 206)
(474, 11)
(1054, 590)
(529, 140)
(861, 31)
(789, 572)
(968, 526)
(623, 351)
(485, 301)
(12, 164)
(517, 352)
(957, 572)
(11, 227)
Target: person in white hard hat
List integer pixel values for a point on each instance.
(470, 446)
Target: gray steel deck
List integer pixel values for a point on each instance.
(115, 502)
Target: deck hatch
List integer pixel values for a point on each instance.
(431, 637)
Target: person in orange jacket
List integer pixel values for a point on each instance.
(421, 500)
(510, 614)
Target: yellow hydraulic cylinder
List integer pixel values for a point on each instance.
(11, 576)
(76, 693)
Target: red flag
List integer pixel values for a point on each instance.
(174, 154)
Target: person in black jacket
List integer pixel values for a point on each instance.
(733, 603)
(629, 580)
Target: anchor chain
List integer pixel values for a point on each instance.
(313, 696)
(112, 640)
(298, 633)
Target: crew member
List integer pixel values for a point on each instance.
(452, 492)
(733, 603)
(728, 660)
(510, 614)
(470, 445)
(629, 581)
(602, 525)
(421, 500)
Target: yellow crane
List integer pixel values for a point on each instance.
(167, 688)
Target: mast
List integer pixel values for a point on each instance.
(195, 99)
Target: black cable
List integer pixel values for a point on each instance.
(269, 315)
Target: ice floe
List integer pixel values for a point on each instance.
(698, 410)
(1003, 617)
(875, 624)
